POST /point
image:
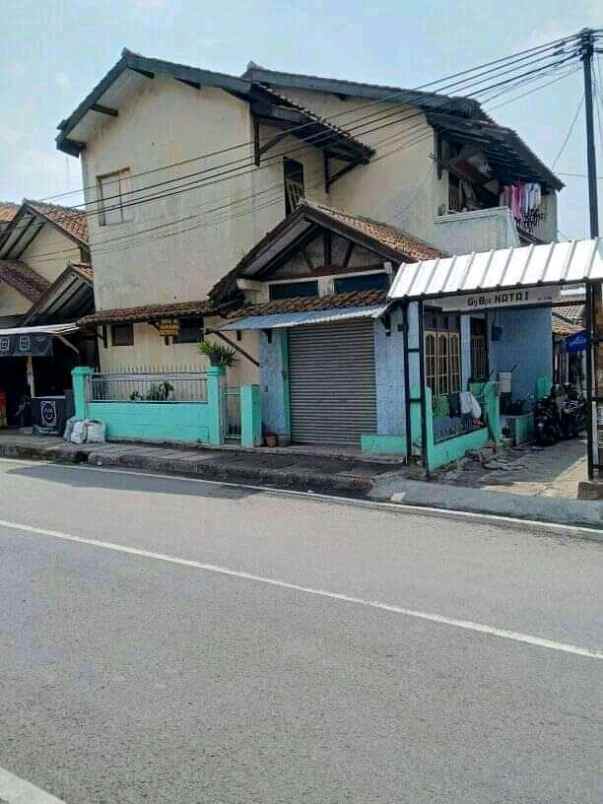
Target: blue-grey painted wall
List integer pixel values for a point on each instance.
(273, 379)
(465, 351)
(389, 376)
(526, 340)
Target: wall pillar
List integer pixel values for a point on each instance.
(274, 379)
(215, 404)
(80, 378)
(251, 416)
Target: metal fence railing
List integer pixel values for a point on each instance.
(450, 423)
(177, 386)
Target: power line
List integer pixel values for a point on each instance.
(569, 132)
(234, 168)
(105, 242)
(397, 95)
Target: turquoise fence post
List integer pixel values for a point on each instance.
(251, 416)
(429, 449)
(215, 404)
(80, 380)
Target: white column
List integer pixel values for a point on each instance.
(30, 375)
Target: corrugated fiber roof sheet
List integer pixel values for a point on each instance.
(569, 263)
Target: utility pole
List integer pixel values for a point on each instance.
(587, 40)
(587, 46)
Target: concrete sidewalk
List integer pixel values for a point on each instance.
(302, 470)
(337, 473)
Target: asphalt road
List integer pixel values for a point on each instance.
(166, 640)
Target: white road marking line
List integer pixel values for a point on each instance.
(396, 508)
(17, 791)
(468, 625)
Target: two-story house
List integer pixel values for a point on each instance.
(45, 279)
(193, 181)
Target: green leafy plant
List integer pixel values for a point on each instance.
(158, 392)
(218, 355)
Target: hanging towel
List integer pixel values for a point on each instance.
(465, 401)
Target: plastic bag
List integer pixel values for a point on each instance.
(96, 431)
(79, 432)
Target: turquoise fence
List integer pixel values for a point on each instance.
(196, 417)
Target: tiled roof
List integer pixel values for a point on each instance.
(572, 313)
(149, 312)
(73, 221)
(302, 304)
(384, 233)
(563, 328)
(23, 279)
(84, 269)
(395, 244)
(8, 210)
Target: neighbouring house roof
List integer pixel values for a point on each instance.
(133, 69)
(387, 241)
(572, 313)
(69, 297)
(31, 218)
(149, 313)
(357, 89)
(303, 304)
(23, 279)
(568, 263)
(563, 328)
(461, 117)
(508, 155)
(8, 210)
(74, 222)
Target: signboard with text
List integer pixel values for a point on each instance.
(495, 299)
(36, 345)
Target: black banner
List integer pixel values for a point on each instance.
(49, 414)
(36, 345)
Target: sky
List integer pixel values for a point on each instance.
(53, 53)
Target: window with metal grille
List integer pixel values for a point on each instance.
(294, 184)
(479, 349)
(443, 362)
(114, 197)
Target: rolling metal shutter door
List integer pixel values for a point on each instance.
(332, 382)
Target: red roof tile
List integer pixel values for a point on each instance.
(8, 210)
(23, 279)
(302, 304)
(149, 312)
(73, 221)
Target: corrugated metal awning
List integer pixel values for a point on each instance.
(282, 320)
(527, 266)
(42, 329)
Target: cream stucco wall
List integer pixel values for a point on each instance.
(50, 252)
(11, 301)
(150, 353)
(203, 232)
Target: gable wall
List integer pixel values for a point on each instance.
(50, 252)
(11, 301)
(167, 122)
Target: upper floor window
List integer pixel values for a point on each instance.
(345, 284)
(114, 198)
(294, 184)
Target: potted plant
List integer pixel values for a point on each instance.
(270, 439)
(218, 355)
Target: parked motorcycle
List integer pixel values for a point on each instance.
(547, 422)
(572, 414)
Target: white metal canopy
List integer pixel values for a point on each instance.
(553, 264)
(41, 329)
(281, 320)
